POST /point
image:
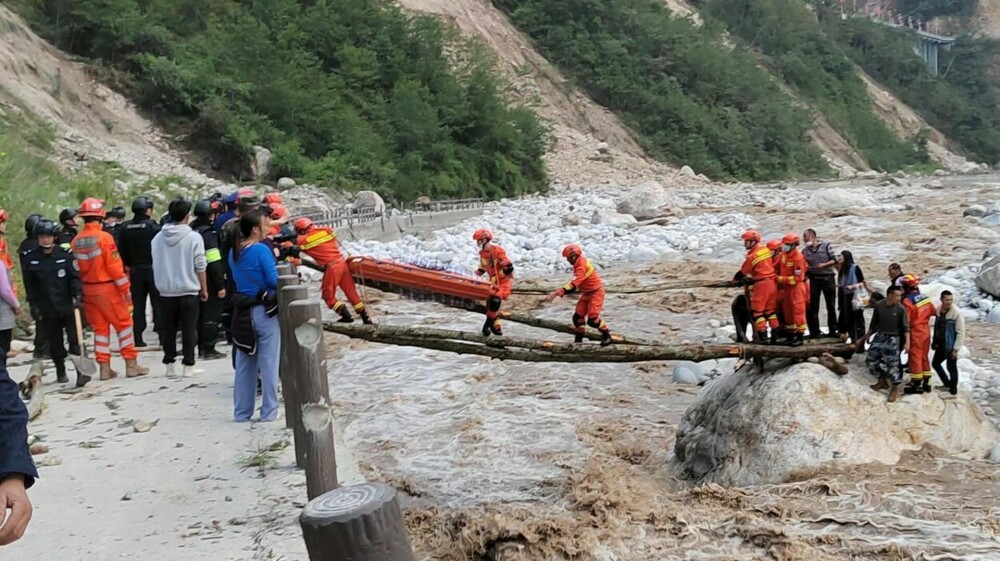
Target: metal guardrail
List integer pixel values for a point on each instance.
(349, 217)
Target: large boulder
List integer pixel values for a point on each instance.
(260, 164)
(974, 210)
(751, 428)
(648, 200)
(286, 183)
(611, 218)
(369, 199)
(837, 199)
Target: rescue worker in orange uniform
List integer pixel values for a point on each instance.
(588, 282)
(793, 288)
(4, 251)
(919, 311)
(494, 262)
(107, 297)
(321, 243)
(758, 272)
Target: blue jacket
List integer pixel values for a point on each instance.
(14, 455)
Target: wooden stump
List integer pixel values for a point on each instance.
(306, 361)
(356, 523)
(283, 281)
(293, 413)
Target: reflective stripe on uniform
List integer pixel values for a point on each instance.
(761, 255)
(125, 332)
(213, 255)
(122, 281)
(102, 349)
(311, 243)
(359, 306)
(101, 339)
(86, 256)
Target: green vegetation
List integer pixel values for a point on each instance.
(927, 9)
(692, 99)
(961, 103)
(803, 55)
(351, 93)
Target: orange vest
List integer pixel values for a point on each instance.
(919, 311)
(792, 268)
(5, 257)
(320, 243)
(759, 264)
(97, 257)
(585, 277)
(493, 260)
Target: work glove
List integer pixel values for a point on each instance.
(77, 302)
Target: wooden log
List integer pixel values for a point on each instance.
(293, 412)
(513, 348)
(283, 281)
(676, 285)
(561, 327)
(356, 523)
(307, 361)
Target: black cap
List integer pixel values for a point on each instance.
(141, 204)
(29, 223)
(44, 227)
(67, 214)
(203, 208)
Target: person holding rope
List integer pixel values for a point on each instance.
(758, 272)
(588, 282)
(321, 243)
(493, 261)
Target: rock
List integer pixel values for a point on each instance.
(835, 199)
(753, 428)
(899, 181)
(127, 497)
(688, 172)
(571, 219)
(988, 279)
(602, 148)
(260, 164)
(990, 220)
(37, 449)
(714, 323)
(641, 254)
(982, 233)
(940, 173)
(369, 199)
(142, 426)
(21, 346)
(286, 183)
(975, 210)
(648, 200)
(870, 174)
(992, 252)
(612, 218)
(993, 316)
(935, 184)
(684, 376)
(995, 453)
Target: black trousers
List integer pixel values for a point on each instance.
(53, 328)
(851, 321)
(827, 286)
(5, 338)
(41, 343)
(143, 287)
(208, 323)
(179, 313)
(942, 355)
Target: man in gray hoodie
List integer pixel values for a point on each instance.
(179, 267)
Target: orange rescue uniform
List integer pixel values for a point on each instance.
(107, 299)
(794, 289)
(320, 243)
(494, 262)
(759, 266)
(588, 282)
(5, 257)
(919, 311)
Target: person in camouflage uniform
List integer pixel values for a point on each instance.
(889, 326)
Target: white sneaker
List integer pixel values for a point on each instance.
(190, 371)
(171, 370)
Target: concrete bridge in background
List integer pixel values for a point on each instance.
(929, 44)
(928, 37)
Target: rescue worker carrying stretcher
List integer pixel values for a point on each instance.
(107, 300)
(793, 288)
(321, 243)
(494, 262)
(757, 272)
(919, 311)
(588, 282)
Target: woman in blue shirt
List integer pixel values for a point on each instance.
(255, 322)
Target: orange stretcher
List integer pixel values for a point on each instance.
(419, 283)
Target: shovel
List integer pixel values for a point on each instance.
(85, 368)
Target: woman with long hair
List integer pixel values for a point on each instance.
(256, 338)
(851, 279)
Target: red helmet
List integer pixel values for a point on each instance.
(910, 280)
(216, 206)
(272, 199)
(774, 245)
(790, 238)
(751, 235)
(483, 235)
(572, 250)
(92, 207)
(303, 224)
(278, 211)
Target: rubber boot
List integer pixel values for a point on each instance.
(774, 337)
(495, 328)
(106, 372)
(606, 338)
(914, 387)
(895, 391)
(81, 380)
(926, 386)
(61, 373)
(365, 318)
(882, 384)
(797, 340)
(345, 316)
(134, 369)
(578, 338)
(487, 327)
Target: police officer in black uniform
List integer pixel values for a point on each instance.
(68, 227)
(211, 310)
(135, 240)
(54, 290)
(29, 243)
(113, 221)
